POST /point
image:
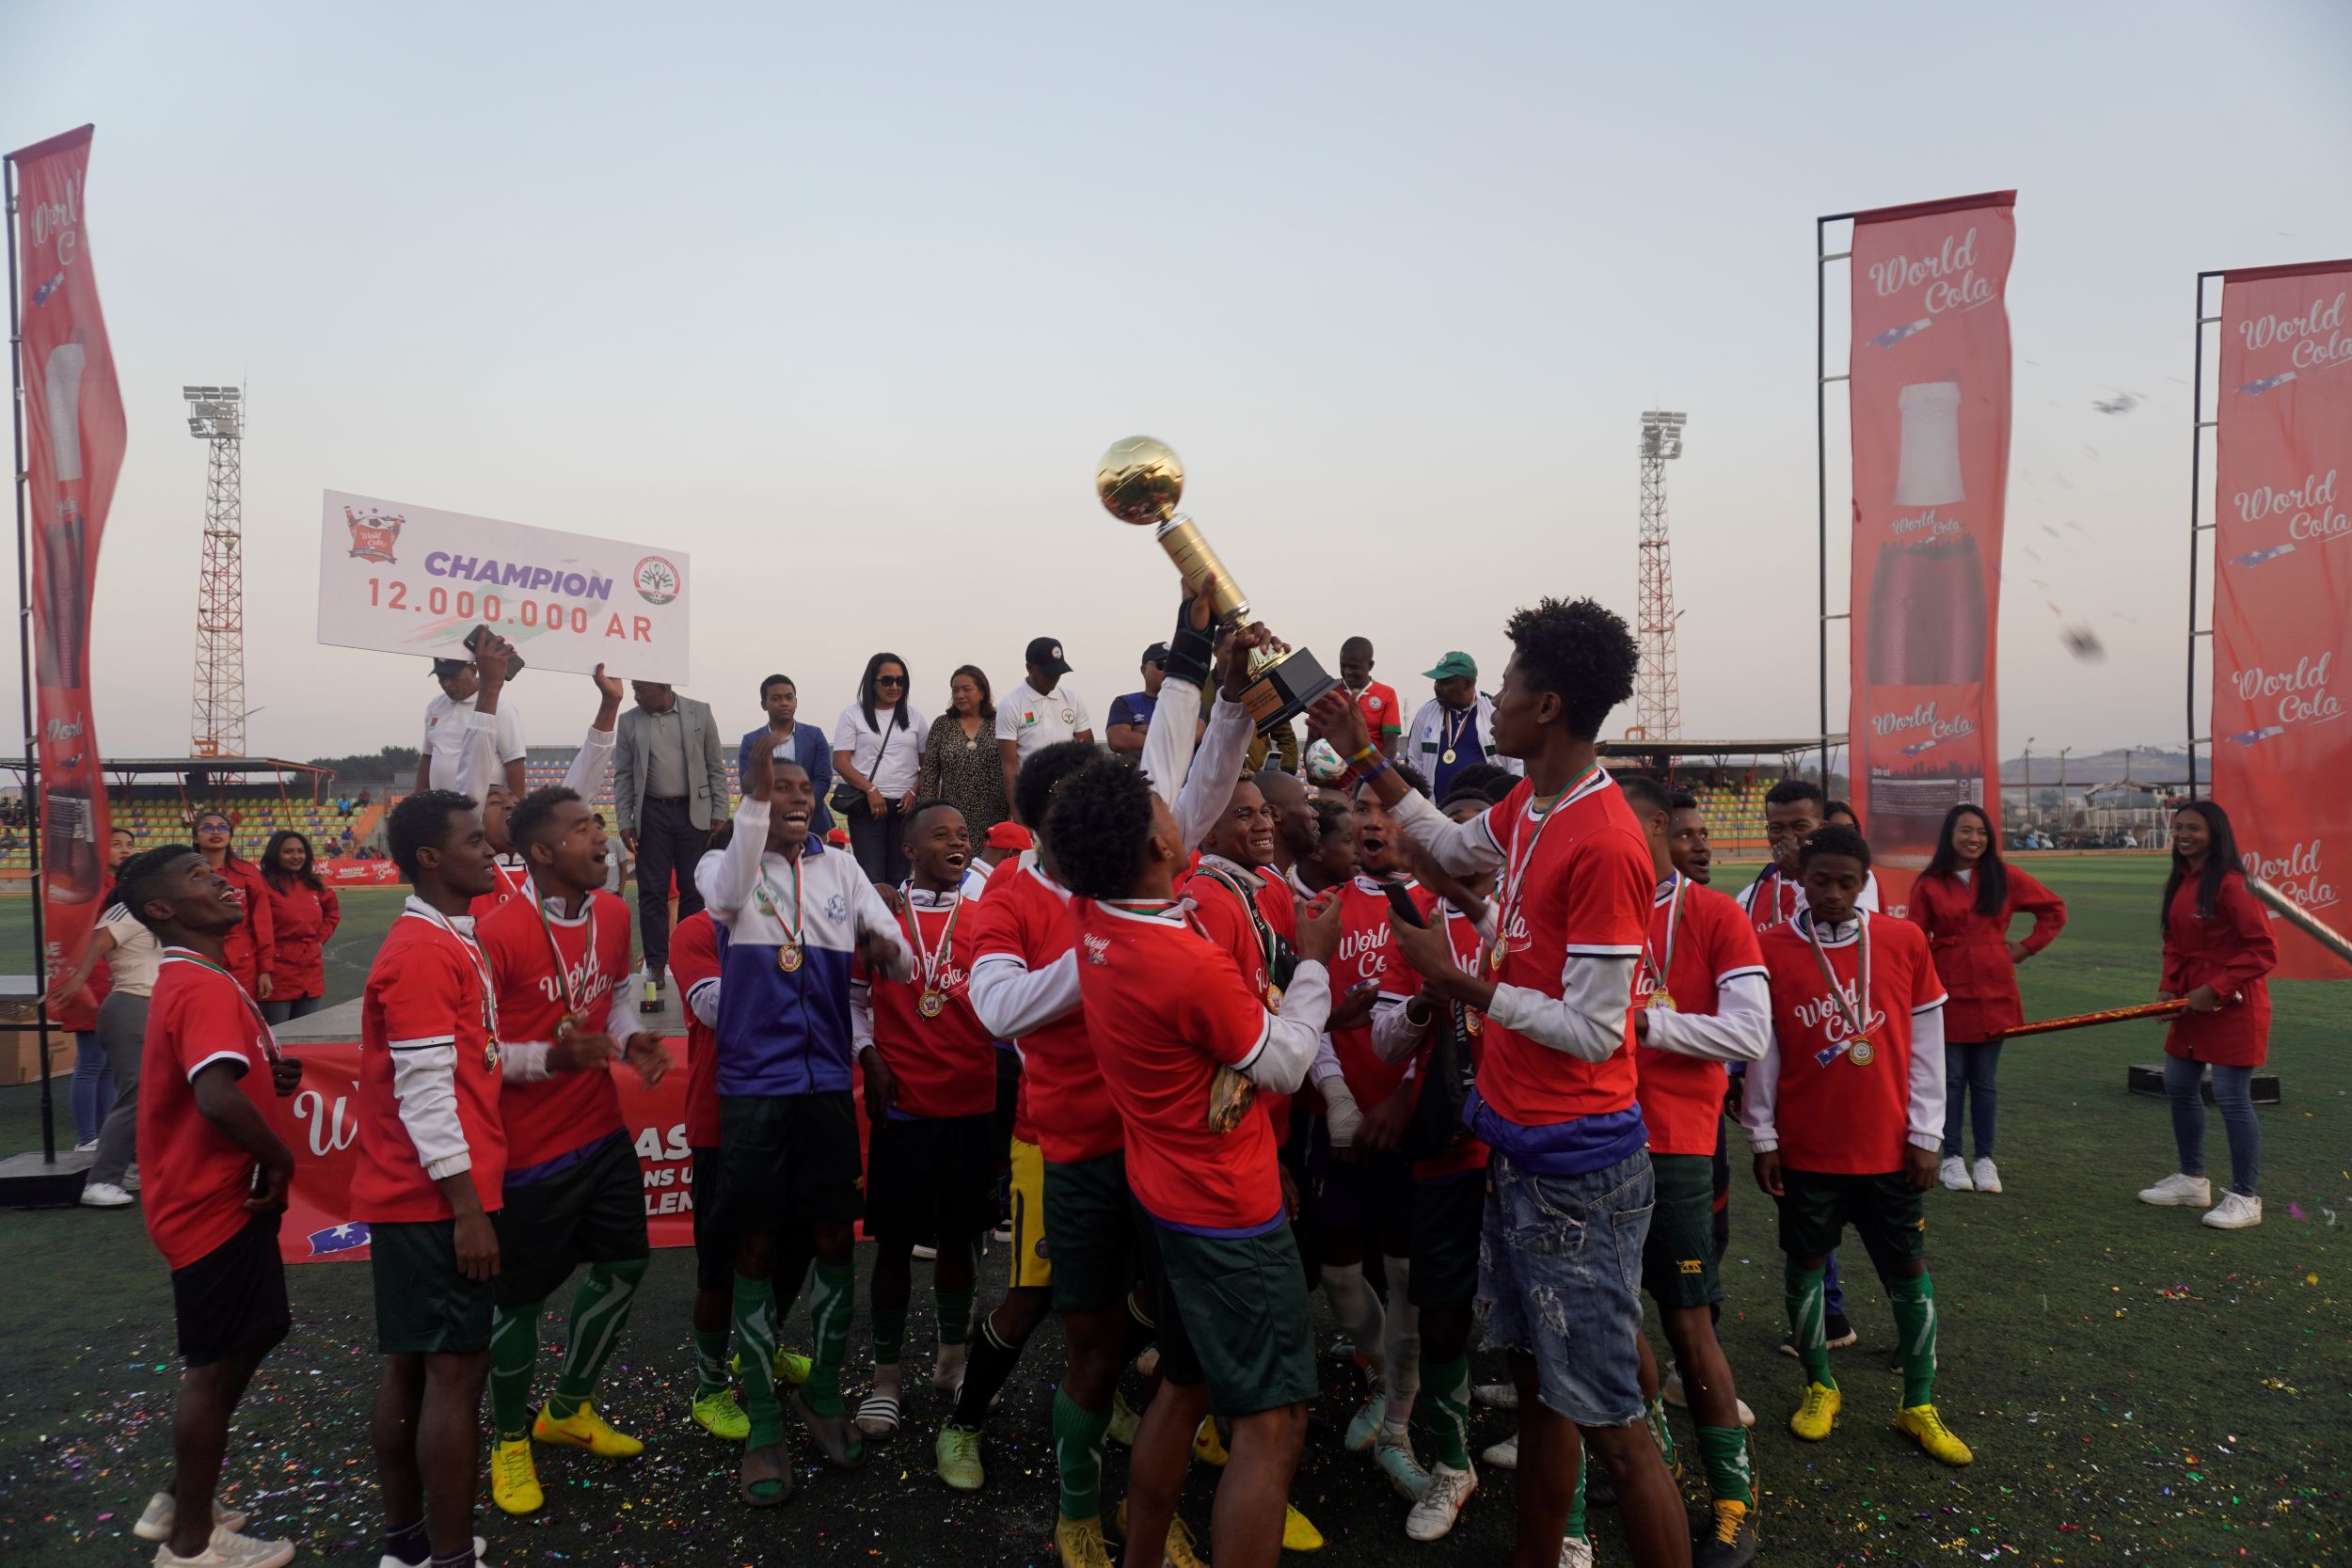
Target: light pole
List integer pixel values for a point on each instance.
(2029, 784)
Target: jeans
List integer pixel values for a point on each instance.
(122, 1030)
(667, 842)
(2234, 1092)
(1560, 1271)
(277, 1010)
(875, 841)
(1969, 1070)
(93, 1086)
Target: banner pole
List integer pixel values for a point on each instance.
(1820, 469)
(2195, 493)
(25, 678)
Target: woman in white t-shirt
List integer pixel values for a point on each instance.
(877, 753)
(131, 954)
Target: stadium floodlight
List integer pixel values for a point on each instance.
(1662, 433)
(214, 413)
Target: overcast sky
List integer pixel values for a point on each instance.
(846, 303)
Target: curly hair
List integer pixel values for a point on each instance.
(1033, 787)
(1835, 840)
(535, 815)
(1579, 651)
(1099, 827)
(420, 821)
(140, 879)
(1331, 814)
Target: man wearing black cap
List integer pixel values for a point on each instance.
(1040, 712)
(445, 722)
(1131, 715)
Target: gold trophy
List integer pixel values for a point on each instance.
(1139, 481)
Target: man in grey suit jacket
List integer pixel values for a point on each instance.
(669, 786)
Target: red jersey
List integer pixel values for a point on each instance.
(248, 944)
(1377, 702)
(514, 882)
(1367, 952)
(429, 986)
(197, 1178)
(2230, 949)
(1169, 1006)
(1835, 1111)
(1575, 882)
(567, 1111)
(1249, 928)
(1026, 914)
(694, 961)
(1971, 950)
(302, 918)
(1470, 1154)
(944, 1064)
(1700, 941)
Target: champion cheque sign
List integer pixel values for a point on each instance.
(411, 579)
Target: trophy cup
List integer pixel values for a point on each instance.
(1140, 481)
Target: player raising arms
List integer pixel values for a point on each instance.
(574, 1194)
(482, 775)
(1180, 1036)
(1846, 1115)
(797, 916)
(1555, 1095)
(430, 1171)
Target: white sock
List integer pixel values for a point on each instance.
(1357, 1310)
(1401, 1344)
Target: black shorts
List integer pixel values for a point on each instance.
(1447, 1215)
(1679, 1255)
(1886, 1212)
(233, 1300)
(592, 1212)
(1089, 1232)
(423, 1305)
(714, 1245)
(1368, 1198)
(787, 1159)
(1232, 1313)
(932, 1178)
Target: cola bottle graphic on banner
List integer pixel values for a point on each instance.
(68, 840)
(1927, 614)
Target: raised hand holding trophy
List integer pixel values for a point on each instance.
(1140, 481)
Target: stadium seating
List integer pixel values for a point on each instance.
(163, 816)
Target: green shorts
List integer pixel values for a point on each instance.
(1678, 1256)
(422, 1303)
(787, 1159)
(1233, 1314)
(1447, 1215)
(591, 1212)
(1888, 1213)
(1089, 1232)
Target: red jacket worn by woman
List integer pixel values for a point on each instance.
(302, 919)
(2231, 950)
(1971, 950)
(257, 935)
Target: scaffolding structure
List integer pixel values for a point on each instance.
(217, 715)
(1657, 691)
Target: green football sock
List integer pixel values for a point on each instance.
(599, 1312)
(1914, 1301)
(890, 1335)
(756, 1334)
(955, 1315)
(1078, 1456)
(1725, 1452)
(1656, 1414)
(514, 1352)
(1576, 1504)
(830, 1303)
(1802, 1287)
(710, 1362)
(1442, 1412)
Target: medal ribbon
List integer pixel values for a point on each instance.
(1454, 725)
(1516, 865)
(269, 1038)
(766, 895)
(481, 970)
(1659, 969)
(929, 959)
(562, 973)
(1249, 906)
(1857, 1029)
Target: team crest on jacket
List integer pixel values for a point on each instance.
(374, 535)
(836, 907)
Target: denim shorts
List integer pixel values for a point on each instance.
(1560, 1276)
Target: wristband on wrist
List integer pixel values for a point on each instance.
(1369, 765)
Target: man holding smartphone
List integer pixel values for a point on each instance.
(446, 718)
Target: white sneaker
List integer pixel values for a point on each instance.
(1434, 1515)
(2235, 1211)
(228, 1550)
(1671, 1391)
(88, 1147)
(2179, 1192)
(1497, 1396)
(1955, 1173)
(922, 1254)
(1574, 1553)
(1394, 1453)
(131, 1179)
(389, 1561)
(1365, 1428)
(105, 1195)
(162, 1512)
(1987, 1174)
(1504, 1455)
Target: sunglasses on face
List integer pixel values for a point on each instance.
(890, 680)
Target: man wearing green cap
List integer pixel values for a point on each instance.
(1455, 728)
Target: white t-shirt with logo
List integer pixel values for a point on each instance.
(445, 735)
(1032, 720)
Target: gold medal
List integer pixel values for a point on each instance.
(1473, 1021)
(1273, 997)
(1662, 1001)
(788, 956)
(931, 1003)
(1447, 756)
(1499, 951)
(1861, 1053)
(566, 1029)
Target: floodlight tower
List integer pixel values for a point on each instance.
(1656, 695)
(216, 718)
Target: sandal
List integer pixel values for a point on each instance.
(833, 1434)
(877, 1417)
(764, 1467)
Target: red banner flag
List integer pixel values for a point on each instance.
(74, 450)
(1930, 395)
(2282, 590)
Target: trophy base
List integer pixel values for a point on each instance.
(1286, 689)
